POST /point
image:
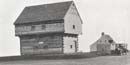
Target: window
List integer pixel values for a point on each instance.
(73, 26)
(110, 41)
(43, 27)
(71, 46)
(32, 28)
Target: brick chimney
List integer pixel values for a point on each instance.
(102, 33)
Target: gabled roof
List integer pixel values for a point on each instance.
(107, 37)
(103, 38)
(55, 11)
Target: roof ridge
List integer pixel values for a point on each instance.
(37, 13)
(49, 3)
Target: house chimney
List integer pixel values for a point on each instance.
(102, 33)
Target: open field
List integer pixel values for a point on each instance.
(101, 60)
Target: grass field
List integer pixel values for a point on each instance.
(101, 60)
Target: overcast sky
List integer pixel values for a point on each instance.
(109, 16)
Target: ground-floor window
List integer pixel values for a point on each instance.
(71, 46)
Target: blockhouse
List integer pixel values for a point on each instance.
(49, 28)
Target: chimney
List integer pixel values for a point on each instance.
(102, 33)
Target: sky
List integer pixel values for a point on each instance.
(109, 16)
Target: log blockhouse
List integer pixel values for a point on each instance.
(49, 28)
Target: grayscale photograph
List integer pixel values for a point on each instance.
(64, 32)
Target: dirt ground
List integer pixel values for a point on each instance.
(102, 60)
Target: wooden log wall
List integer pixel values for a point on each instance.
(41, 45)
(27, 29)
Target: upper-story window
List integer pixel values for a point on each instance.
(71, 46)
(43, 27)
(110, 41)
(32, 28)
(73, 26)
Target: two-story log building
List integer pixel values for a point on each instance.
(49, 28)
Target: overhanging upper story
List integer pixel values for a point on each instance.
(49, 18)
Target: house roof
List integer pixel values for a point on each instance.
(106, 37)
(54, 11)
(103, 38)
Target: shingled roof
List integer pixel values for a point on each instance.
(106, 37)
(54, 11)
